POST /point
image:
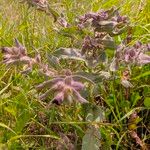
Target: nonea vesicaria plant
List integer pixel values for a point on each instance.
(63, 86)
(104, 26)
(85, 72)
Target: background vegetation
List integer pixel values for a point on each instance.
(28, 123)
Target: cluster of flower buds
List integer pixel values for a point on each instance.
(135, 54)
(106, 24)
(62, 22)
(108, 21)
(133, 120)
(40, 4)
(93, 47)
(125, 79)
(64, 87)
(17, 55)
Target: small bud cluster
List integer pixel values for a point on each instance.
(40, 4)
(134, 55)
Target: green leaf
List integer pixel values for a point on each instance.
(147, 101)
(95, 114)
(90, 77)
(5, 88)
(107, 26)
(91, 139)
(68, 53)
(142, 75)
(6, 127)
(53, 61)
(53, 13)
(108, 42)
(11, 110)
(135, 98)
(22, 119)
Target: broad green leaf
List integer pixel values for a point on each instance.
(91, 139)
(108, 42)
(147, 101)
(107, 26)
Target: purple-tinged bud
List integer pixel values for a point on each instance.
(138, 44)
(126, 83)
(63, 22)
(38, 58)
(7, 50)
(21, 47)
(58, 99)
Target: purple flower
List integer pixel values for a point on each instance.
(16, 54)
(109, 21)
(40, 4)
(63, 88)
(135, 54)
(63, 22)
(58, 99)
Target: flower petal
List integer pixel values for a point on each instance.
(48, 83)
(78, 97)
(144, 59)
(58, 99)
(77, 85)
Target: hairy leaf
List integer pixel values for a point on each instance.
(68, 53)
(91, 139)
